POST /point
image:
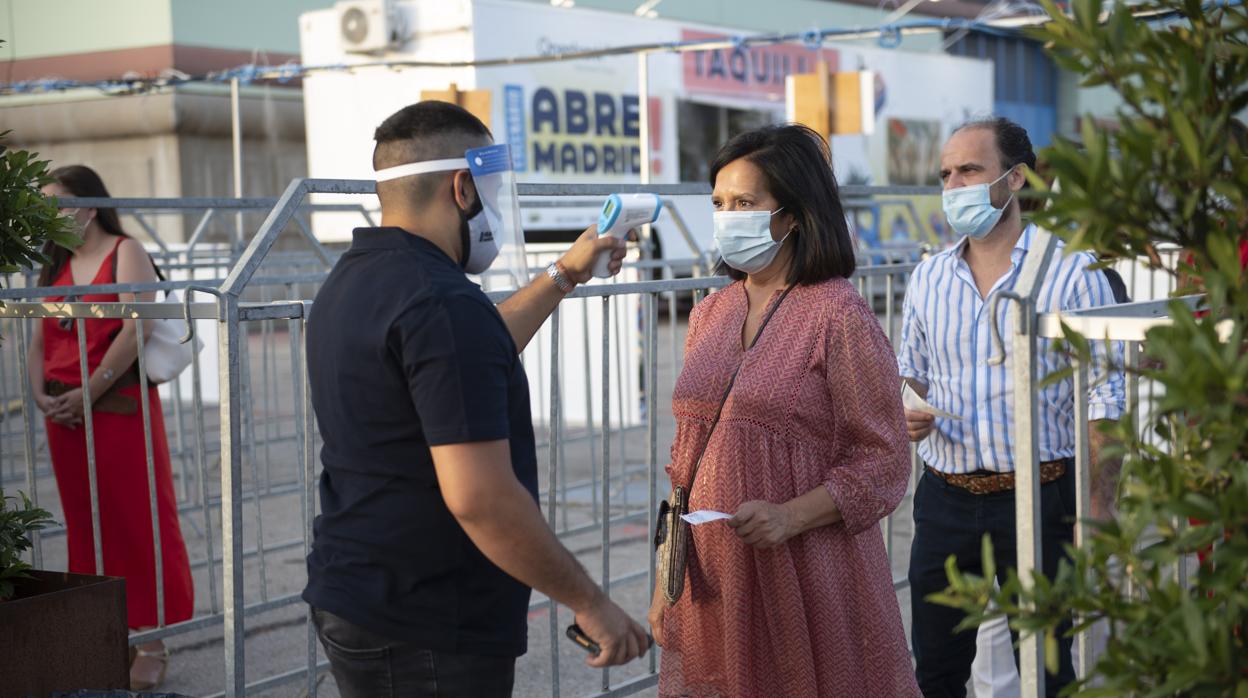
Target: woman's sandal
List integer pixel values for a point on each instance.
(162, 655)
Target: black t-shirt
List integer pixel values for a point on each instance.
(404, 353)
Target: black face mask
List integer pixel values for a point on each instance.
(464, 239)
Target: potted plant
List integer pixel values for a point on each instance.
(61, 631)
(16, 525)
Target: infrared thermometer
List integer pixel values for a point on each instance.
(620, 214)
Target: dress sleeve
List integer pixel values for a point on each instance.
(868, 475)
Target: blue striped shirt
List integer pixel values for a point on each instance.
(946, 342)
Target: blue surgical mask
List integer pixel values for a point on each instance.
(744, 239)
(969, 210)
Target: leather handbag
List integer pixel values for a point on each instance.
(671, 535)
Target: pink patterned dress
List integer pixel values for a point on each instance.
(817, 403)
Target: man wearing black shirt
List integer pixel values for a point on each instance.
(430, 536)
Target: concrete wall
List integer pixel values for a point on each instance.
(134, 166)
(169, 165)
(148, 165)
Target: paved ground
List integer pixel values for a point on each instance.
(277, 640)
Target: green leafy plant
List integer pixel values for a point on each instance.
(1174, 172)
(28, 219)
(16, 525)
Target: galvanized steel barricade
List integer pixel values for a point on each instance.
(608, 510)
(189, 461)
(196, 509)
(140, 209)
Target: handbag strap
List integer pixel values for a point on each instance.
(731, 381)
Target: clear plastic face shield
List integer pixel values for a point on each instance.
(494, 248)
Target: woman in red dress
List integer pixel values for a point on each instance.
(792, 596)
(108, 256)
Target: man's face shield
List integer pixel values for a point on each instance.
(495, 247)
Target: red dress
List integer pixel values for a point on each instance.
(121, 474)
(817, 403)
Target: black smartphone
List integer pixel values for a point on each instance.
(578, 636)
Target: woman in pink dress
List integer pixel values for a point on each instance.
(793, 596)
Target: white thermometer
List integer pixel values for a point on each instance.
(620, 214)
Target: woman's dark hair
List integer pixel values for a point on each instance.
(78, 180)
(797, 167)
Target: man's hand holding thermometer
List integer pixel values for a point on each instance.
(599, 251)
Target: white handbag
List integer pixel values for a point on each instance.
(164, 354)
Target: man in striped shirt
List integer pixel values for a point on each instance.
(966, 490)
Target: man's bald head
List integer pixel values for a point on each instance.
(428, 130)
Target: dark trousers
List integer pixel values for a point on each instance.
(367, 665)
(948, 520)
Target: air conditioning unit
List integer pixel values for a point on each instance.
(368, 26)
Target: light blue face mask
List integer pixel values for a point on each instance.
(744, 239)
(970, 211)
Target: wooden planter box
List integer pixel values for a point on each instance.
(64, 632)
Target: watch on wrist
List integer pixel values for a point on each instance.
(561, 280)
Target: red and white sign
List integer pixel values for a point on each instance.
(753, 72)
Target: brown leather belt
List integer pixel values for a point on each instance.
(111, 401)
(991, 483)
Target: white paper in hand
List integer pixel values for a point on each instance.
(704, 516)
(911, 401)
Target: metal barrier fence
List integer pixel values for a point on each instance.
(267, 442)
(209, 208)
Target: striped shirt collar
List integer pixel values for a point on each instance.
(1021, 245)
